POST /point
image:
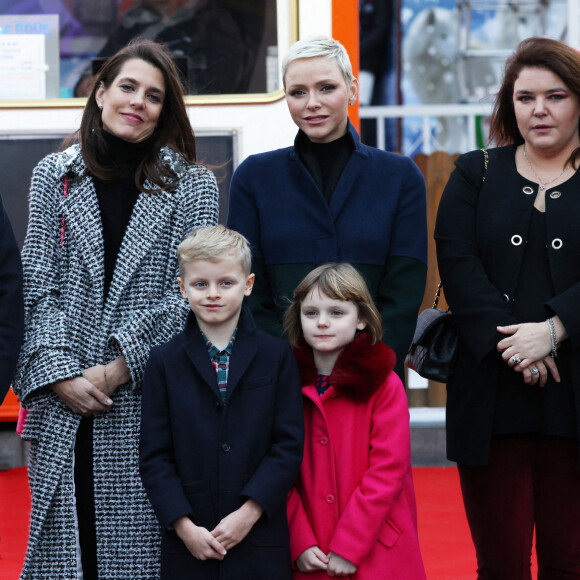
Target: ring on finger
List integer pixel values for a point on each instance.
(535, 371)
(515, 360)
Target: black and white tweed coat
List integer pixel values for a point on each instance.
(70, 327)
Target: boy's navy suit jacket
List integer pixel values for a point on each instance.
(203, 458)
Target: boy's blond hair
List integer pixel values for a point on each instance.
(210, 243)
(339, 282)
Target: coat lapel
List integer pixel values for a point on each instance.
(347, 182)
(82, 219)
(197, 353)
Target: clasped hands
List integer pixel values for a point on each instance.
(91, 393)
(206, 545)
(314, 559)
(527, 347)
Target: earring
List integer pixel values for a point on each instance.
(100, 105)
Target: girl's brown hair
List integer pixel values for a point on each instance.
(173, 128)
(535, 52)
(339, 282)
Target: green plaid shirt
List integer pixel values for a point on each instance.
(220, 359)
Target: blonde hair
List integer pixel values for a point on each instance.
(339, 282)
(210, 243)
(319, 46)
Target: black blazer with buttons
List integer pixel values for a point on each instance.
(203, 458)
(481, 232)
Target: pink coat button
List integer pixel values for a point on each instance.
(329, 498)
(324, 441)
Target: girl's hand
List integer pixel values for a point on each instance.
(199, 541)
(82, 397)
(547, 364)
(529, 342)
(312, 559)
(339, 566)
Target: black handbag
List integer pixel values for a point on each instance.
(434, 345)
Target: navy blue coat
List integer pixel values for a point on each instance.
(203, 458)
(11, 303)
(375, 220)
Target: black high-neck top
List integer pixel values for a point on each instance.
(117, 198)
(324, 161)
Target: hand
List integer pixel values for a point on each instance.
(529, 341)
(82, 397)
(312, 559)
(339, 566)
(199, 541)
(547, 364)
(117, 375)
(237, 525)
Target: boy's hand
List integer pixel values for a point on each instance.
(237, 525)
(199, 541)
(312, 559)
(339, 566)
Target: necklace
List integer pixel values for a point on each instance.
(543, 183)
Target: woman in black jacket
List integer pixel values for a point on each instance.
(508, 247)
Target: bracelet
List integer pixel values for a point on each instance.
(552, 327)
(105, 375)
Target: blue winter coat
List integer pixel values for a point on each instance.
(376, 220)
(203, 458)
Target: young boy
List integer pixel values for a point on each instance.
(222, 425)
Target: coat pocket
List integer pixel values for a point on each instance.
(389, 535)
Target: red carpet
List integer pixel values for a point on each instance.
(447, 550)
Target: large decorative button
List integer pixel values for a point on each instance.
(517, 240)
(557, 243)
(329, 498)
(555, 194)
(226, 447)
(324, 441)
(528, 190)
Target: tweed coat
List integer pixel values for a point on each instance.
(203, 458)
(70, 326)
(375, 220)
(481, 234)
(354, 495)
(11, 305)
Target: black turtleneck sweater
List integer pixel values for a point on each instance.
(324, 161)
(118, 197)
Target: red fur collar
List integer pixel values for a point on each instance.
(361, 368)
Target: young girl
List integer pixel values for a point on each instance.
(352, 510)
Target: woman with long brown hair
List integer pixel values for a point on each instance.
(100, 269)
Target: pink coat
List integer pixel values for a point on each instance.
(354, 495)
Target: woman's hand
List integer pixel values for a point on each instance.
(544, 366)
(82, 397)
(339, 566)
(528, 342)
(108, 378)
(312, 559)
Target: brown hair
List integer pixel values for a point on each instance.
(535, 52)
(339, 282)
(173, 128)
